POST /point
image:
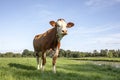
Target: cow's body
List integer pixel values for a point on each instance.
(50, 40)
(46, 41)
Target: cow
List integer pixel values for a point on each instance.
(50, 40)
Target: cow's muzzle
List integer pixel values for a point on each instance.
(64, 32)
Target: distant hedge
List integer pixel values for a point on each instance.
(67, 53)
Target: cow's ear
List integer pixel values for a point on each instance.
(52, 23)
(70, 24)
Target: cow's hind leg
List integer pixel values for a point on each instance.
(43, 61)
(38, 60)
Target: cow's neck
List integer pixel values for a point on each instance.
(59, 36)
(56, 35)
(55, 38)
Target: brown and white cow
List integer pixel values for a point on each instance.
(50, 40)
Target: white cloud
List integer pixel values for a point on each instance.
(101, 3)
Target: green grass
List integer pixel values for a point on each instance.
(25, 69)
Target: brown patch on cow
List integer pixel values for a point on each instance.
(46, 41)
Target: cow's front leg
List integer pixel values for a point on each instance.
(54, 59)
(43, 61)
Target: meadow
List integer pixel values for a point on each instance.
(67, 69)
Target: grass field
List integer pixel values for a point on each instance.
(67, 69)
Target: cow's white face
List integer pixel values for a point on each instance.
(61, 27)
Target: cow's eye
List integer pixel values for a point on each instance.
(58, 25)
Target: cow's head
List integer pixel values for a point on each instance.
(61, 26)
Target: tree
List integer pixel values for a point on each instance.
(68, 53)
(17, 55)
(88, 54)
(81, 54)
(27, 53)
(75, 54)
(0, 54)
(118, 52)
(95, 53)
(110, 54)
(8, 54)
(61, 53)
(104, 53)
(115, 53)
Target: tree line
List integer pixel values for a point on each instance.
(67, 53)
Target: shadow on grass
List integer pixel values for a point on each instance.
(21, 66)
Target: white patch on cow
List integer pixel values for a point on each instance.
(57, 51)
(54, 69)
(38, 65)
(61, 28)
(41, 64)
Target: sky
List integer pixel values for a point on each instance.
(97, 23)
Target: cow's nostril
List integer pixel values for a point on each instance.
(63, 31)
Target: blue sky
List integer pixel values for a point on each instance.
(97, 23)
